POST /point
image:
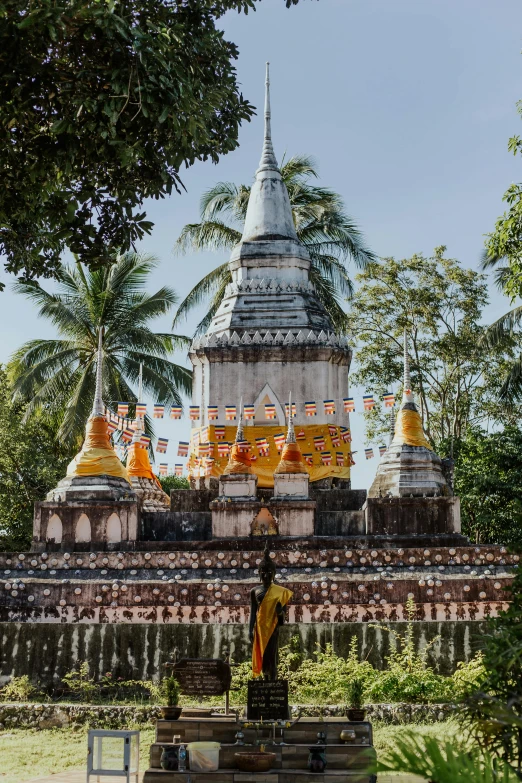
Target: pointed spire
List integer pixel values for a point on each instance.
(290, 433)
(140, 424)
(239, 432)
(98, 408)
(392, 425)
(268, 158)
(407, 394)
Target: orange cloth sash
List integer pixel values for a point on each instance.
(239, 461)
(408, 429)
(266, 622)
(291, 460)
(97, 457)
(138, 463)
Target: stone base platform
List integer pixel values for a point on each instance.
(348, 760)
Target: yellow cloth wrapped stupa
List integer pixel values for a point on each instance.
(97, 456)
(291, 458)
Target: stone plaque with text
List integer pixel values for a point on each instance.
(267, 700)
(203, 676)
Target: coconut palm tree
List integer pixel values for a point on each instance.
(509, 280)
(321, 222)
(59, 375)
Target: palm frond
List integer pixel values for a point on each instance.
(206, 287)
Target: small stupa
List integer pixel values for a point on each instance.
(95, 473)
(291, 460)
(409, 467)
(239, 461)
(143, 480)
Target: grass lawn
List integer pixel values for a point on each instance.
(30, 753)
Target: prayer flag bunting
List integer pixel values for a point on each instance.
(194, 412)
(219, 432)
(175, 412)
(162, 444)
(319, 442)
(300, 435)
(310, 409)
(294, 410)
(382, 450)
(368, 402)
(243, 446)
(332, 429)
(204, 449)
(270, 411)
(203, 434)
(145, 441)
(329, 407)
(223, 449)
(279, 440)
(178, 470)
(127, 435)
(212, 412)
(389, 400)
(349, 405)
(346, 435)
(159, 411)
(339, 458)
(163, 468)
(141, 409)
(208, 467)
(123, 408)
(326, 458)
(368, 453)
(336, 440)
(230, 412)
(111, 426)
(309, 459)
(249, 412)
(183, 448)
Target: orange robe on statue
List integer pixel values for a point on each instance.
(266, 623)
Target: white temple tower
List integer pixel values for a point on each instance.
(271, 335)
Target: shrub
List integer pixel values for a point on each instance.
(18, 689)
(170, 691)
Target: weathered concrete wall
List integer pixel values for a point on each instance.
(139, 651)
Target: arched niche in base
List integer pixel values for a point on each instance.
(113, 533)
(82, 534)
(54, 529)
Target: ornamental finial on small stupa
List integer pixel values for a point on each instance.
(290, 433)
(268, 158)
(139, 429)
(239, 432)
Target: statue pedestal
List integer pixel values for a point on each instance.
(291, 504)
(234, 510)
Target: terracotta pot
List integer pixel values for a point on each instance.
(255, 761)
(170, 713)
(356, 715)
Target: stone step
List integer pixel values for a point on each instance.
(274, 776)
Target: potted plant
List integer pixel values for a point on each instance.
(170, 696)
(355, 695)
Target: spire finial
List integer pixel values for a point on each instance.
(98, 408)
(140, 424)
(239, 432)
(392, 425)
(290, 433)
(268, 158)
(407, 394)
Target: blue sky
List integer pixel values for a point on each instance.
(407, 107)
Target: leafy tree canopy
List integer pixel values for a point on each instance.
(455, 378)
(101, 104)
(488, 480)
(31, 463)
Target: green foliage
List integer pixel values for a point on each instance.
(169, 483)
(488, 480)
(18, 689)
(170, 691)
(356, 693)
(101, 104)
(31, 464)
(322, 225)
(493, 712)
(79, 683)
(469, 676)
(60, 374)
(455, 378)
(442, 763)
